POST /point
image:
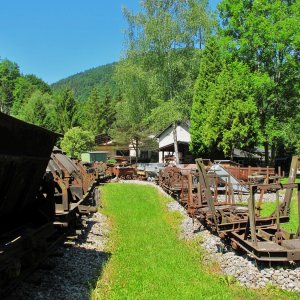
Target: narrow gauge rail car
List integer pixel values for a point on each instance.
(242, 226)
(27, 233)
(43, 195)
(75, 193)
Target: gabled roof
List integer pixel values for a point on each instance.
(186, 123)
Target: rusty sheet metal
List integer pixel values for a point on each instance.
(24, 154)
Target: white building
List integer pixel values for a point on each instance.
(166, 143)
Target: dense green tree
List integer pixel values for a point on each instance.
(22, 92)
(210, 68)
(110, 103)
(9, 72)
(36, 110)
(264, 35)
(94, 113)
(163, 40)
(38, 83)
(24, 87)
(65, 111)
(128, 133)
(224, 111)
(76, 140)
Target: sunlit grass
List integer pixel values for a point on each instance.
(148, 259)
(269, 207)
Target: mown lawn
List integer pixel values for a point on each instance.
(269, 207)
(148, 259)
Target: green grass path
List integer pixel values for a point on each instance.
(148, 259)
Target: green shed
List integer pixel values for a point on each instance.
(94, 156)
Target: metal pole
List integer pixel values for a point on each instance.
(251, 207)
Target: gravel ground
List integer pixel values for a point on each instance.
(74, 270)
(241, 267)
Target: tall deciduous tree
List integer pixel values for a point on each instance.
(162, 57)
(76, 140)
(24, 87)
(36, 110)
(265, 35)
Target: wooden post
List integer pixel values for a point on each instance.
(292, 177)
(175, 143)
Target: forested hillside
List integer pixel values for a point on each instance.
(83, 83)
(29, 98)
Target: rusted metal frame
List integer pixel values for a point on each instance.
(204, 183)
(260, 200)
(291, 179)
(63, 193)
(216, 192)
(263, 254)
(275, 186)
(298, 198)
(230, 190)
(259, 223)
(199, 192)
(183, 190)
(250, 226)
(278, 235)
(272, 251)
(190, 203)
(85, 177)
(66, 174)
(251, 206)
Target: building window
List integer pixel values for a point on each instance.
(144, 154)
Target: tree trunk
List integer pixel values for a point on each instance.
(175, 143)
(272, 155)
(266, 145)
(136, 150)
(231, 154)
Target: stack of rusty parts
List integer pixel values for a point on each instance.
(75, 192)
(170, 179)
(101, 172)
(174, 179)
(125, 171)
(262, 237)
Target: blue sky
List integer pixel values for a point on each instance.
(55, 39)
